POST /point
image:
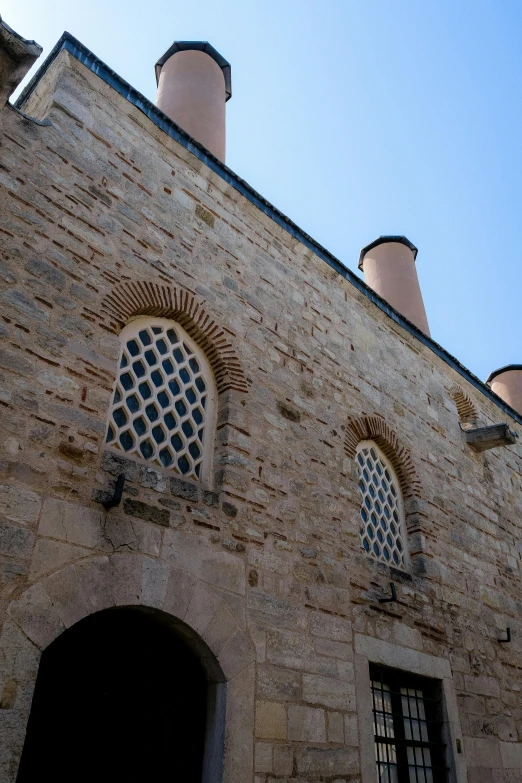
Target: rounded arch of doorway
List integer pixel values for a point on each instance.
(47, 608)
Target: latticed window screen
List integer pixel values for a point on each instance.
(407, 720)
(163, 404)
(382, 523)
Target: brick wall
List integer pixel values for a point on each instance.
(100, 198)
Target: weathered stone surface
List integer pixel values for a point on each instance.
(71, 523)
(184, 489)
(326, 762)
(279, 684)
(141, 510)
(45, 271)
(115, 465)
(270, 720)
(15, 541)
(197, 556)
(306, 724)
(283, 760)
(328, 692)
(267, 575)
(49, 556)
(19, 505)
(35, 615)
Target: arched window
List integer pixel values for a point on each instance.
(382, 516)
(164, 399)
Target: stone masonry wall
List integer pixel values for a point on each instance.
(99, 197)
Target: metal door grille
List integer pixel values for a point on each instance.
(407, 719)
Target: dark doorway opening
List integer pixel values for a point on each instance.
(120, 696)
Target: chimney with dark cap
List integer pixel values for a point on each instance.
(507, 383)
(389, 268)
(194, 84)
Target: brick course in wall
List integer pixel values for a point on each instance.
(104, 216)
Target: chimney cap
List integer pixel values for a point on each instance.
(199, 46)
(383, 240)
(507, 368)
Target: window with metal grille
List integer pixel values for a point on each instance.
(407, 720)
(382, 516)
(163, 404)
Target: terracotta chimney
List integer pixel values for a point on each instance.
(389, 268)
(194, 83)
(507, 383)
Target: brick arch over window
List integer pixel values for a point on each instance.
(146, 298)
(375, 428)
(466, 409)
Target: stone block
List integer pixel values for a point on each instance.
(326, 762)
(335, 727)
(126, 575)
(197, 556)
(329, 626)
(269, 610)
(19, 505)
(278, 684)
(34, 613)
(329, 598)
(511, 755)
(15, 541)
(408, 637)
(328, 692)
(263, 757)
(306, 724)
(239, 728)
(15, 362)
(45, 271)
(270, 720)
(51, 555)
(135, 508)
(221, 628)
(351, 730)
(116, 465)
(72, 523)
(484, 686)
(155, 578)
(19, 661)
(289, 650)
(94, 582)
(184, 489)
(179, 593)
(236, 654)
(203, 607)
(344, 652)
(121, 534)
(68, 600)
(211, 498)
(283, 760)
(483, 752)
(484, 774)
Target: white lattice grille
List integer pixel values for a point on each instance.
(382, 528)
(163, 404)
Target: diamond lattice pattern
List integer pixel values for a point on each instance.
(161, 400)
(381, 512)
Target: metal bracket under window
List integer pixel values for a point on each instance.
(508, 637)
(118, 492)
(393, 598)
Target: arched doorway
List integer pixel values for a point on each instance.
(125, 695)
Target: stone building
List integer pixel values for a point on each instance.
(255, 524)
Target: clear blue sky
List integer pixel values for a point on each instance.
(359, 118)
